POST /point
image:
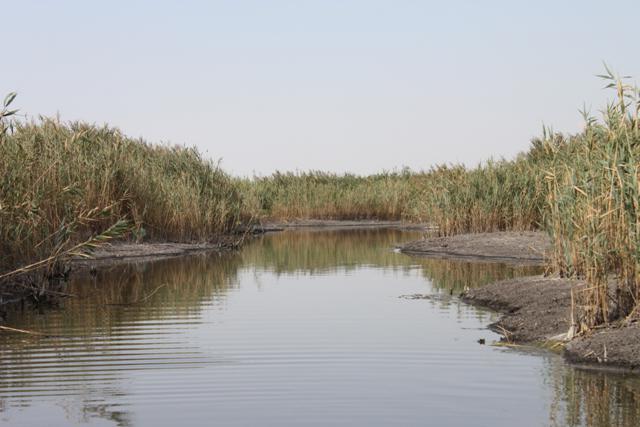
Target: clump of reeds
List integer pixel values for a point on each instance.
(594, 205)
(499, 195)
(495, 196)
(320, 195)
(62, 183)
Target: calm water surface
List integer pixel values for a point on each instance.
(299, 328)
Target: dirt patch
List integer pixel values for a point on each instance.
(524, 247)
(537, 309)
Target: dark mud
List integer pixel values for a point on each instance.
(537, 310)
(615, 345)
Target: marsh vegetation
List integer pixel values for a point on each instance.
(68, 187)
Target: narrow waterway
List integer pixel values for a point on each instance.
(297, 328)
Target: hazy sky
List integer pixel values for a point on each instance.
(360, 85)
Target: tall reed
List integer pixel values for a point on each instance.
(584, 189)
(594, 206)
(63, 182)
(320, 195)
(498, 195)
(495, 196)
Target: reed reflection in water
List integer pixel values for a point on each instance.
(301, 327)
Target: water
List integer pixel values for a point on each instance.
(299, 328)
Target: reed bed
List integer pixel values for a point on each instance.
(495, 196)
(62, 183)
(320, 195)
(593, 209)
(583, 189)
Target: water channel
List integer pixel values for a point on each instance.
(297, 328)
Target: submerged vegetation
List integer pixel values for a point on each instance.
(66, 188)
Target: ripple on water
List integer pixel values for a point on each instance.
(297, 328)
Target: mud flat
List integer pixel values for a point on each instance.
(536, 310)
(522, 247)
(121, 252)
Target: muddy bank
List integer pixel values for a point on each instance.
(330, 224)
(524, 247)
(120, 252)
(29, 288)
(21, 289)
(617, 345)
(536, 310)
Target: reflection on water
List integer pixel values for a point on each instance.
(320, 252)
(594, 398)
(300, 327)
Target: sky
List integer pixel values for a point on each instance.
(355, 86)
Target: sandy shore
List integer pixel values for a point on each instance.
(535, 308)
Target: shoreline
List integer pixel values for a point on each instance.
(125, 252)
(20, 291)
(526, 247)
(332, 224)
(122, 252)
(535, 310)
